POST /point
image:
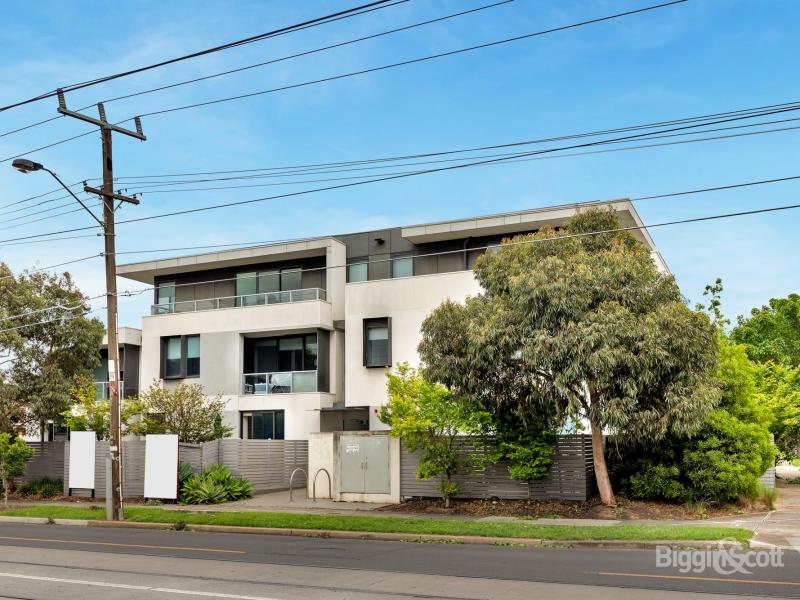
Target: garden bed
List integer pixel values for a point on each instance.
(592, 509)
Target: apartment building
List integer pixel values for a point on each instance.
(296, 336)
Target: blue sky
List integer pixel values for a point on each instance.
(699, 57)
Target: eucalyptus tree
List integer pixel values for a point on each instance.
(50, 342)
(578, 323)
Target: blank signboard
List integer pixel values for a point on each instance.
(81, 460)
(161, 466)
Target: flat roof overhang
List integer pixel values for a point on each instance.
(147, 271)
(514, 222)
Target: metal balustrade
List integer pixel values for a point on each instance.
(302, 295)
(286, 382)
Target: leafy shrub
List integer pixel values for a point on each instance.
(41, 488)
(657, 481)
(213, 486)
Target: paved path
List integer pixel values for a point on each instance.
(49, 561)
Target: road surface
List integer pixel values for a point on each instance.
(57, 562)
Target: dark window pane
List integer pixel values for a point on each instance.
(278, 425)
(291, 279)
(172, 363)
(290, 354)
(266, 360)
(310, 357)
(377, 345)
(193, 356)
(269, 282)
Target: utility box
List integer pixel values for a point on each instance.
(364, 464)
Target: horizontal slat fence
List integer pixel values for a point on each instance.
(571, 475)
(47, 462)
(266, 464)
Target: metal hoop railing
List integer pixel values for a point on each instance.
(291, 477)
(314, 487)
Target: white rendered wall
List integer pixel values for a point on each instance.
(408, 301)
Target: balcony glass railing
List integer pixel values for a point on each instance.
(287, 382)
(168, 308)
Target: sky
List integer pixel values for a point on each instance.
(699, 57)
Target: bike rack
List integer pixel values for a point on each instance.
(314, 487)
(291, 477)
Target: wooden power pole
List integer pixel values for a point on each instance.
(108, 198)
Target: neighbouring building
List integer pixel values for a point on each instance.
(296, 336)
(129, 341)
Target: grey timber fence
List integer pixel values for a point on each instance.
(47, 462)
(266, 464)
(571, 475)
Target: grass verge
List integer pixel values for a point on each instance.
(520, 529)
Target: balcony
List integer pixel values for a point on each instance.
(187, 306)
(286, 382)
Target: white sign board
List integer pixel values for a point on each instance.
(161, 466)
(81, 460)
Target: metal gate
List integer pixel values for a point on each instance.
(364, 463)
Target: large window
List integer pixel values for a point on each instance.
(263, 425)
(180, 356)
(377, 342)
(257, 287)
(285, 354)
(357, 271)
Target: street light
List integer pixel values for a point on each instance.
(113, 503)
(24, 165)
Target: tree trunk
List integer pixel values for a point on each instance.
(600, 470)
(41, 431)
(5, 492)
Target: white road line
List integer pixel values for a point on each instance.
(125, 586)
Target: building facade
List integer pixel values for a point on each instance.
(296, 336)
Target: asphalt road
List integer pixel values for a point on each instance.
(49, 561)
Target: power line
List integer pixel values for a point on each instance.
(42, 195)
(62, 319)
(61, 264)
(385, 178)
(55, 239)
(350, 12)
(375, 69)
(752, 111)
(269, 62)
(146, 186)
(414, 60)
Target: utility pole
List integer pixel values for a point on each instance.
(108, 197)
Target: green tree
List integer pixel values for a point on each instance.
(778, 387)
(183, 410)
(88, 411)
(580, 324)
(721, 462)
(772, 333)
(14, 453)
(428, 417)
(57, 344)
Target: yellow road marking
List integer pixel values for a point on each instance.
(698, 578)
(118, 545)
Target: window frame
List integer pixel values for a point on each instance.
(249, 413)
(184, 359)
(374, 323)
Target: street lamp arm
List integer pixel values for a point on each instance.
(64, 185)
